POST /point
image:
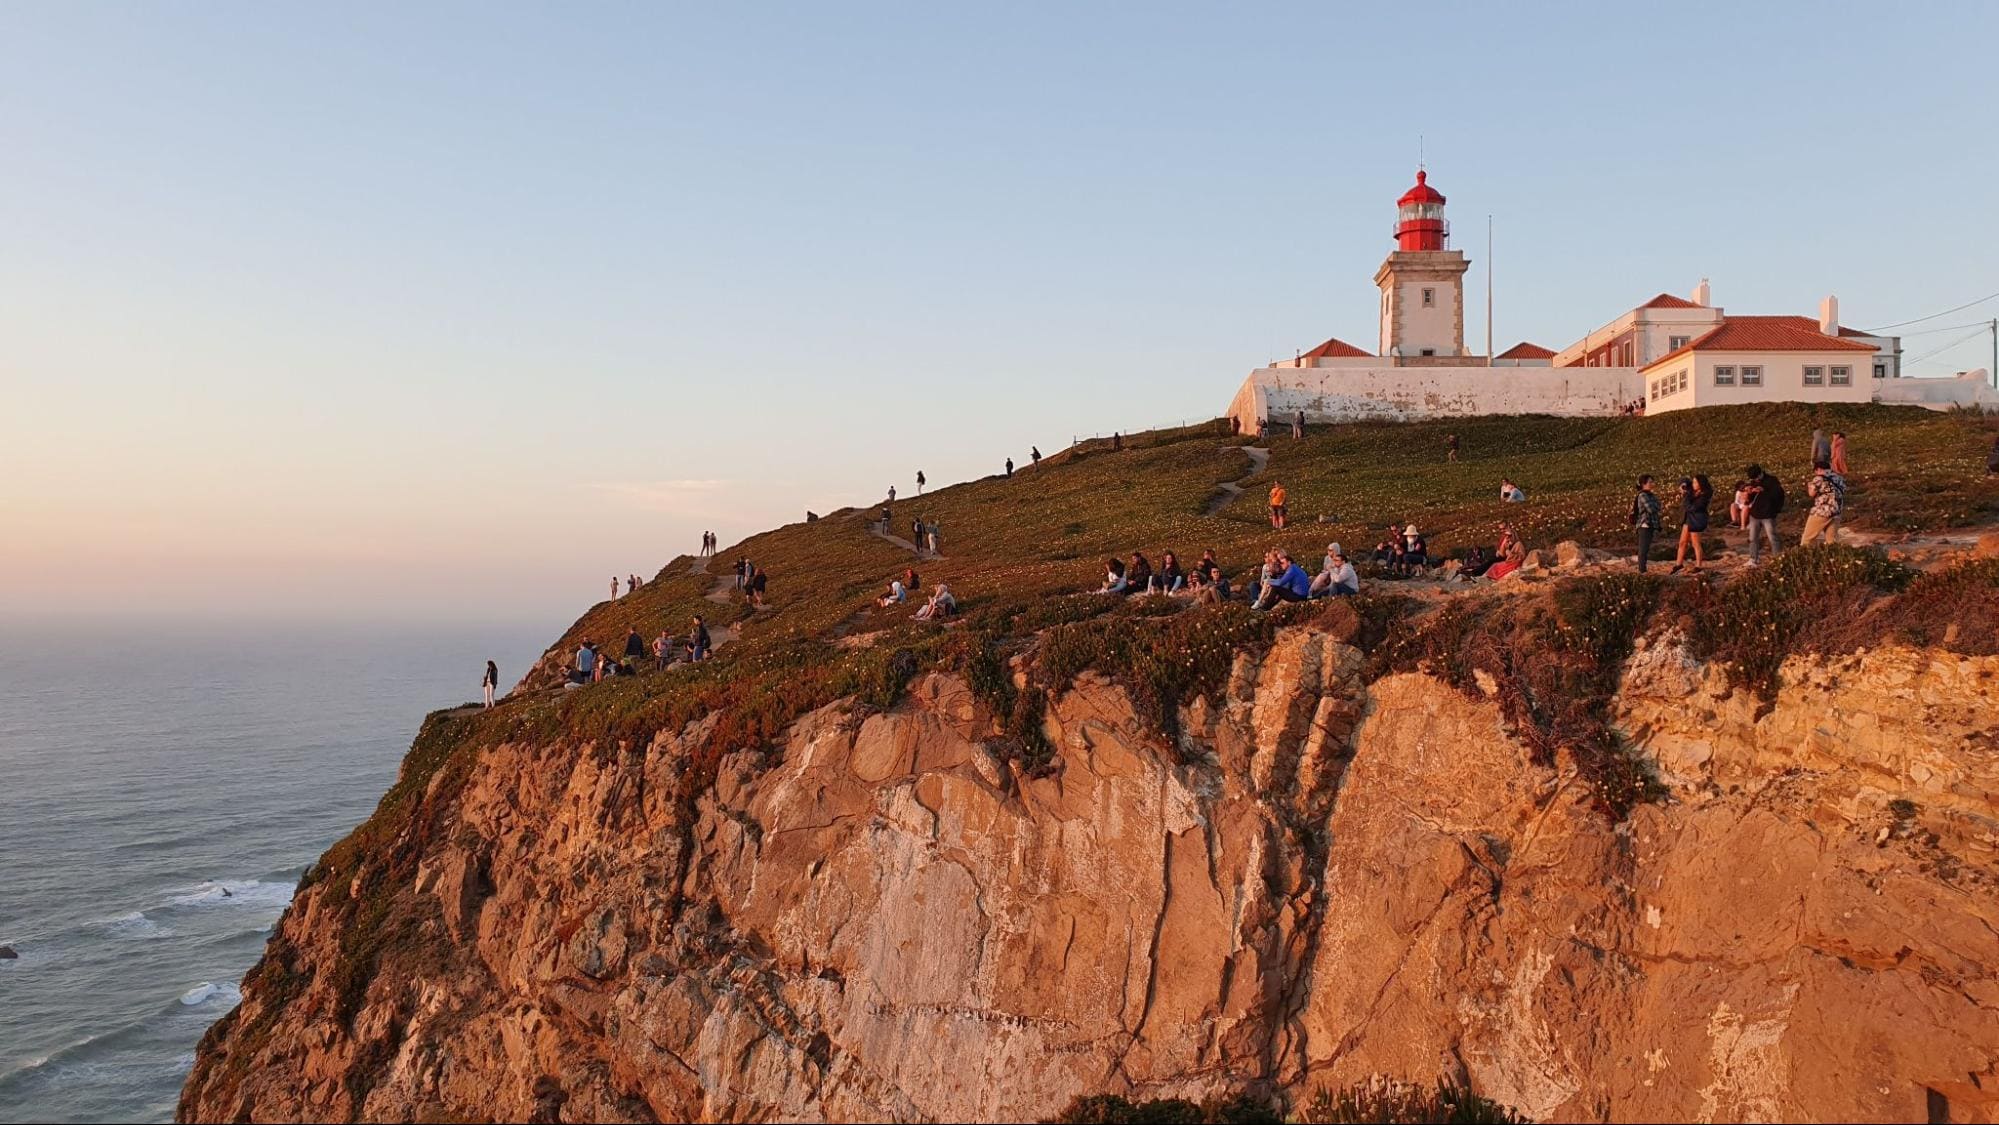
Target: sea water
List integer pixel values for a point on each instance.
(161, 791)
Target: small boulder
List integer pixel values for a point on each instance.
(1569, 553)
(1532, 562)
(7, 953)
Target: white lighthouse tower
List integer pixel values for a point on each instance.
(1422, 284)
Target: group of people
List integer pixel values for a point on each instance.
(707, 544)
(632, 582)
(751, 581)
(1405, 552)
(1757, 501)
(592, 665)
(1633, 409)
(1204, 581)
(940, 604)
(1283, 580)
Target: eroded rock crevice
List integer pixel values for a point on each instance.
(1322, 879)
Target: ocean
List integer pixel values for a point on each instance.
(161, 791)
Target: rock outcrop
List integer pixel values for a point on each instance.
(1318, 879)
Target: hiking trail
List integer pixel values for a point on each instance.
(1231, 491)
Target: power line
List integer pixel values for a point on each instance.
(1982, 330)
(1933, 316)
(1953, 328)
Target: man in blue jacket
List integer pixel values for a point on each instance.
(1292, 584)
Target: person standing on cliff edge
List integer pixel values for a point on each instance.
(491, 681)
(1645, 518)
(919, 482)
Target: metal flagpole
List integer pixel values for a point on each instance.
(1488, 289)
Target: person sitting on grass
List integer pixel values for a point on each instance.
(941, 604)
(1389, 547)
(1510, 493)
(1113, 578)
(896, 593)
(1512, 556)
(1339, 577)
(1323, 581)
(1290, 583)
(1137, 574)
(1171, 578)
(910, 581)
(1412, 554)
(1212, 576)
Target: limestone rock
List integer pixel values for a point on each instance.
(1569, 553)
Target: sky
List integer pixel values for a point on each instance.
(452, 311)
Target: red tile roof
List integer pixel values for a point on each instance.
(1668, 301)
(1337, 349)
(1525, 350)
(1764, 334)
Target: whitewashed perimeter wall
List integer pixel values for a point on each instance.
(1971, 388)
(1347, 394)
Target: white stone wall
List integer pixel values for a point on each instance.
(1352, 394)
(1970, 388)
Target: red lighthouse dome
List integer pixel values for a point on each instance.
(1419, 217)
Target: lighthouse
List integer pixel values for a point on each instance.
(1422, 284)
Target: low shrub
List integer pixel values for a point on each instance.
(1553, 665)
(1387, 1102)
(1110, 1109)
(1800, 600)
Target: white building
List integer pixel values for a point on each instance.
(1670, 352)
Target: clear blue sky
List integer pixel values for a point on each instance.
(459, 309)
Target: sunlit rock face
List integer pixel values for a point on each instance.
(1318, 879)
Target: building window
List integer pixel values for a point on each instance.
(1655, 388)
(1681, 385)
(1724, 376)
(1880, 371)
(1429, 297)
(1842, 376)
(1429, 351)
(1675, 343)
(1752, 376)
(1814, 376)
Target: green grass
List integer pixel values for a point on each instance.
(1017, 550)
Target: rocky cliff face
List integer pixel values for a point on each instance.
(1324, 879)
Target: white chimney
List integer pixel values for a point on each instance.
(1829, 315)
(1700, 293)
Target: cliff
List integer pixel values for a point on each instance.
(1338, 863)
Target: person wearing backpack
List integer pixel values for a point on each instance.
(1827, 490)
(1645, 518)
(1766, 500)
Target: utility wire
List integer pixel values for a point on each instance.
(1982, 329)
(1953, 328)
(1933, 316)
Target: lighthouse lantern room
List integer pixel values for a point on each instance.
(1419, 217)
(1422, 284)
